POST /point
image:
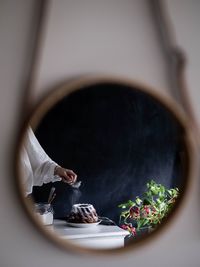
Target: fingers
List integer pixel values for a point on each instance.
(67, 179)
(72, 174)
(70, 177)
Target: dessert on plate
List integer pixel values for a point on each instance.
(83, 213)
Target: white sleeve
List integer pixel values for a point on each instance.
(43, 167)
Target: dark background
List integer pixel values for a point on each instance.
(116, 139)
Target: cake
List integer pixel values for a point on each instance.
(83, 213)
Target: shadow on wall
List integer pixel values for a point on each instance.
(116, 139)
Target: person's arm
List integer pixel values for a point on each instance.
(42, 165)
(45, 170)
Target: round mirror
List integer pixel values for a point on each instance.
(103, 163)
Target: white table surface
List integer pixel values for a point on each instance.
(69, 232)
(100, 236)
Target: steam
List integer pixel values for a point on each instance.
(75, 196)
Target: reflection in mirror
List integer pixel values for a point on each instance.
(104, 165)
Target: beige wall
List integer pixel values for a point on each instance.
(106, 37)
(111, 37)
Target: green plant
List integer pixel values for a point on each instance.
(149, 210)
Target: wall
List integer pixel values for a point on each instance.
(20, 242)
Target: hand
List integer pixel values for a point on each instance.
(68, 176)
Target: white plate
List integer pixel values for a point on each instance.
(83, 225)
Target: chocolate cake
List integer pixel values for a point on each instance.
(83, 213)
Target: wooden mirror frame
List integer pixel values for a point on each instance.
(168, 103)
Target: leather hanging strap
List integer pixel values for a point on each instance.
(175, 59)
(41, 8)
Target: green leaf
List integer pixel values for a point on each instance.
(124, 214)
(146, 201)
(139, 224)
(123, 206)
(138, 201)
(131, 203)
(169, 192)
(158, 201)
(146, 221)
